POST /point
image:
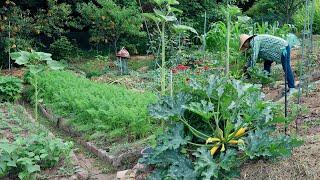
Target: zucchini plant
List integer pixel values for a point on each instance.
(218, 124)
(36, 62)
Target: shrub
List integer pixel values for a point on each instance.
(95, 67)
(62, 49)
(94, 108)
(109, 21)
(10, 88)
(274, 10)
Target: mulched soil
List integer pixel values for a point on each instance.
(18, 72)
(304, 163)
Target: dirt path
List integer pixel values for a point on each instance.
(95, 168)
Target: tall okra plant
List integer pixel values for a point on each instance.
(165, 17)
(36, 62)
(228, 13)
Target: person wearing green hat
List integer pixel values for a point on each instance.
(270, 49)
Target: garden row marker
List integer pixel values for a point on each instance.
(9, 46)
(204, 32)
(171, 84)
(285, 96)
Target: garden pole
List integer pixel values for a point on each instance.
(228, 42)
(9, 59)
(121, 66)
(171, 84)
(204, 32)
(285, 95)
(179, 42)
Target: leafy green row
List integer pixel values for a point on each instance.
(10, 88)
(98, 110)
(25, 150)
(26, 156)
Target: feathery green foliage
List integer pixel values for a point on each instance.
(97, 108)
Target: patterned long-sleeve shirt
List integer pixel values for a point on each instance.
(267, 47)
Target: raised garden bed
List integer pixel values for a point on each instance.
(120, 160)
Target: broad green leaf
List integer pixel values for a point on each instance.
(152, 17)
(160, 2)
(33, 168)
(169, 107)
(164, 17)
(204, 109)
(7, 147)
(31, 154)
(35, 69)
(44, 56)
(23, 175)
(229, 160)
(205, 166)
(3, 168)
(42, 156)
(175, 10)
(173, 138)
(55, 65)
(21, 57)
(173, 2)
(182, 28)
(11, 164)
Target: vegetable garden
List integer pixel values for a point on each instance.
(157, 89)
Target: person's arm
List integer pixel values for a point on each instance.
(255, 53)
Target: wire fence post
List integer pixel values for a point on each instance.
(204, 32)
(286, 62)
(9, 59)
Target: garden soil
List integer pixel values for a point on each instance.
(304, 163)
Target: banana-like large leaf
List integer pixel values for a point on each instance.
(182, 28)
(152, 17)
(44, 56)
(21, 57)
(55, 65)
(164, 17)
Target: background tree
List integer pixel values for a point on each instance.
(110, 21)
(275, 10)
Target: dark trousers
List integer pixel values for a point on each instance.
(286, 66)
